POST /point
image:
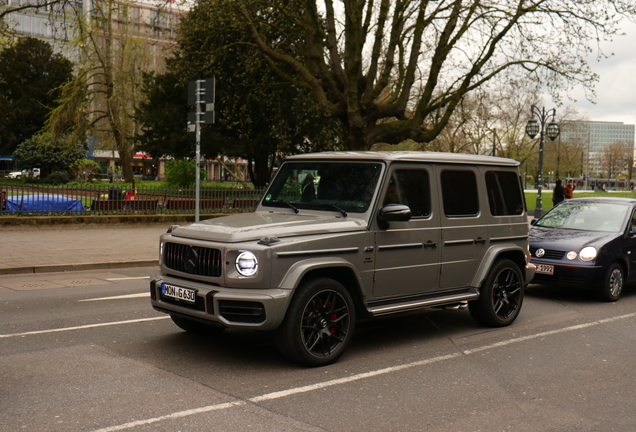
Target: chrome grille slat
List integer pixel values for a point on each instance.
(209, 262)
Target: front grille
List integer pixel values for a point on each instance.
(242, 311)
(549, 254)
(194, 260)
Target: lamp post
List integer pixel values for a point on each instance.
(537, 125)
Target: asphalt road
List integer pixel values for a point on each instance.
(84, 351)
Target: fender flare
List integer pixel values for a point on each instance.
(298, 270)
(491, 256)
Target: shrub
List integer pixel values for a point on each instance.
(58, 177)
(181, 173)
(84, 170)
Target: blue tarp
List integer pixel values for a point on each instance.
(43, 203)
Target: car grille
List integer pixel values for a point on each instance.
(194, 260)
(549, 254)
(242, 311)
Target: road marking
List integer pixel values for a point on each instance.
(321, 385)
(83, 327)
(126, 296)
(129, 278)
(172, 416)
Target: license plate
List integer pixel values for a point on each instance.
(175, 292)
(544, 269)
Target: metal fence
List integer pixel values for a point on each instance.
(33, 200)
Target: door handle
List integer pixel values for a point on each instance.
(480, 240)
(430, 244)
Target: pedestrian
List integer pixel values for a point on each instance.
(568, 190)
(557, 193)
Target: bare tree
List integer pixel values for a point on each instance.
(614, 158)
(389, 70)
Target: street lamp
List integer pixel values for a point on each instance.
(537, 125)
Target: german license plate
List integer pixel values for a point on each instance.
(175, 292)
(544, 269)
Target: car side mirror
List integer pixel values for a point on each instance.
(393, 213)
(533, 221)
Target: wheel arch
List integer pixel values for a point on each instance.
(514, 253)
(337, 269)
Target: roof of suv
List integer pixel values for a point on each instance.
(406, 156)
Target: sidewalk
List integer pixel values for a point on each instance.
(26, 249)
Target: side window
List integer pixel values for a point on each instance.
(459, 193)
(410, 187)
(504, 193)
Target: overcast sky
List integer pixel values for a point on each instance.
(616, 88)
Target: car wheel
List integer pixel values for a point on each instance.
(500, 297)
(613, 285)
(195, 327)
(319, 323)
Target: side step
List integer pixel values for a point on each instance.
(386, 309)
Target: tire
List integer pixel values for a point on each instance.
(614, 283)
(195, 327)
(500, 297)
(319, 323)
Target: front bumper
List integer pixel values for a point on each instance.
(230, 307)
(571, 275)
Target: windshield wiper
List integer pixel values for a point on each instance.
(335, 207)
(290, 205)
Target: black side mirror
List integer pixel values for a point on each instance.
(393, 213)
(533, 221)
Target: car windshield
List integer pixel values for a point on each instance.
(586, 216)
(332, 186)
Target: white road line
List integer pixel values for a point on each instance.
(126, 296)
(171, 416)
(129, 278)
(82, 327)
(321, 385)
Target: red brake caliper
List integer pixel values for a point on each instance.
(333, 318)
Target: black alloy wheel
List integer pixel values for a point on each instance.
(500, 297)
(319, 323)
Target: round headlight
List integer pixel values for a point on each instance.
(246, 264)
(587, 254)
(571, 255)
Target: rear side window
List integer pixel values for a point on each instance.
(504, 193)
(459, 192)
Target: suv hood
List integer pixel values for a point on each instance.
(253, 226)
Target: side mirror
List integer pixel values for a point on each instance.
(394, 213)
(533, 221)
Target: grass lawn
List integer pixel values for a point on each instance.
(531, 197)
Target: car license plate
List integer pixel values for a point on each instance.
(544, 269)
(175, 292)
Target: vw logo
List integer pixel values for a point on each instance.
(191, 260)
(540, 252)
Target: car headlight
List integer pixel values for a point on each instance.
(571, 255)
(246, 264)
(587, 254)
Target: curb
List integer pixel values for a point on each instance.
(56, 268)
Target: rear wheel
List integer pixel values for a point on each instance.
(500, 297)
(319, 323)
(613, 286)
(195, 327)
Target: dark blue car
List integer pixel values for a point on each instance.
(586, 242)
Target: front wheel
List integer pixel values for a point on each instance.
(319, 323)
(613, 286)
(500, 297)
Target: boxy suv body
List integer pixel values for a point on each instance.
(353, 234)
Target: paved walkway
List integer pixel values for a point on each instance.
(50, 248)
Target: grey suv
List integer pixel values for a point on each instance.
(353, 234)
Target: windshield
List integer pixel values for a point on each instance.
(332, 186)
(586, 216)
